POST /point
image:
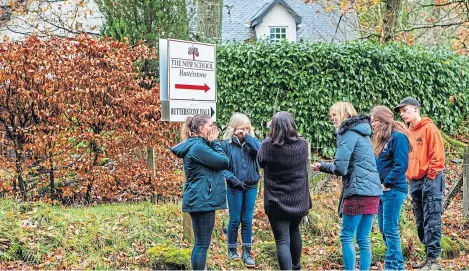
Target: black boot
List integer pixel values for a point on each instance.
(298, 267)
(233, 253)
(420, 265)
(247, 257)
(432, 264)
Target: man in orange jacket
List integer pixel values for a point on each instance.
(427, 182)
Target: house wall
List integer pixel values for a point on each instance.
(277, 17)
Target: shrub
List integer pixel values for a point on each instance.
(307, 78)
(170, 258)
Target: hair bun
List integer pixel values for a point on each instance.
(189, 121)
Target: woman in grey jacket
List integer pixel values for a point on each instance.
(356, 163)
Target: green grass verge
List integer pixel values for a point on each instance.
(144, 235)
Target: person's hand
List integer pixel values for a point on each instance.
(385, 188)
(316, 166)
(213, 134)
(237, 184)
(240, 133)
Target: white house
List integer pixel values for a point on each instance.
(292, 20)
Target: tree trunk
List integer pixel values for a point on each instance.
(51, 179)
(95, 153)
(19, 171)
(209, 18)
(88, 191)
(391, 15)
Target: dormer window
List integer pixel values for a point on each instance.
(277, 33)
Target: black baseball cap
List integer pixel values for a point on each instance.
(407, 101)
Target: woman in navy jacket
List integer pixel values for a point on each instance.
(391, 146)
(242, 177)
(204, 190)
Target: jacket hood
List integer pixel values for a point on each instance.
(359, 124)
(421, 124)
(181, 149)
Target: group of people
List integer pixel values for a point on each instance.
(377, 158)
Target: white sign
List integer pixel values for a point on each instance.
(180, 110)
(191, 71)
(187, 79)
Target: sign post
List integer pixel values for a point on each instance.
(188, 87)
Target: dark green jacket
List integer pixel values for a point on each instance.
(204, 163)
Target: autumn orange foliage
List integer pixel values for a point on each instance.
(78, 117)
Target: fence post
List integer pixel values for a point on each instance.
(309, 168)
(187, 230)
(465, 177)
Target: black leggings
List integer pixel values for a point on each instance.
(288, 241)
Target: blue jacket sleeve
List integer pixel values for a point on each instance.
(400, 148)
(253, 144)
(211, 156)
(229, 175)
(345, 146)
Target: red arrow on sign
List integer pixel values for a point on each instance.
(205, 88)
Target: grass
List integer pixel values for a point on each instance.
(104, 236)
(148, 236)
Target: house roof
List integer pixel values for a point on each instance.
(259, 16)
(316, 23)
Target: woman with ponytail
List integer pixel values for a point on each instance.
(391, 147)
(204, 190)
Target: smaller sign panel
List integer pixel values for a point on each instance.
(178, 111)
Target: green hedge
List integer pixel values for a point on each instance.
(307, 78)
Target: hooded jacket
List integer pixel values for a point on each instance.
(204, 163)
(427, 157)
(355, 160)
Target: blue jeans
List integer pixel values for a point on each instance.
(389, 212)
(241, 208)
(359, 225)
(288, 241)
(427, 201)
(203, 224)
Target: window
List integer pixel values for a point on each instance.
(278, 33)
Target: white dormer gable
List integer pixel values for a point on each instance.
(277, 23)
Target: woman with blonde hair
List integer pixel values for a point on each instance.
(204, 190)
(361, 187)
(242, 177)
(391, 147)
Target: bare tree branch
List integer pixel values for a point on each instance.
(432, 26)
(45, 17)
(441, 5)
(337, 26)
